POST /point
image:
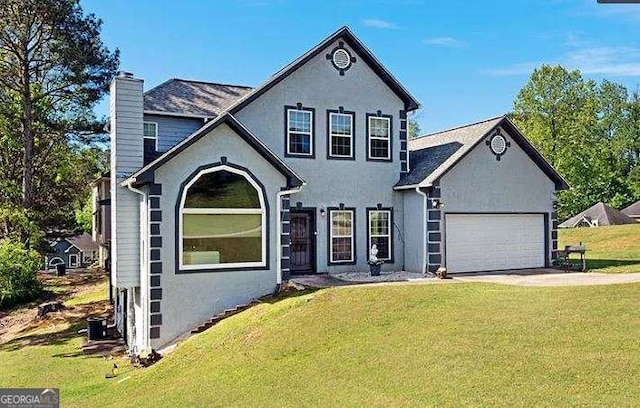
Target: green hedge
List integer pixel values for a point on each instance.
(18, 273)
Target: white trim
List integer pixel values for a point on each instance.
(279, 196)
(72, 245)
(73, 264)
(262, 211)
(310, 132)
(331, 236)
(332, 135)
(150, 137)
(388, 235)
(54, 258)
(222, 210)
(370, 138)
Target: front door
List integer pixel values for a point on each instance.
(303, 241)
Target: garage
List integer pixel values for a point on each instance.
(485, 242)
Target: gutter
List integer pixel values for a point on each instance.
(279, 195)
(424, 229)
(144, 231)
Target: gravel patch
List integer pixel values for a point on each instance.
(364, 277)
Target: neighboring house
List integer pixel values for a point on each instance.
(101, 220)
(633, 211)
(75, 252)
(598, 215)
(219, 193)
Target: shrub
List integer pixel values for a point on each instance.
(18, 273)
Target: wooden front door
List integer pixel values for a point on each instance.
(303, 241)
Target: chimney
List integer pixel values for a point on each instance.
(126, 125)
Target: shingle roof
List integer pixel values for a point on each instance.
(444, 148)
(426, 161)
(601, 212)
(186, 97)
(633, 210)
(84, 241)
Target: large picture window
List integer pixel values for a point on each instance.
(341, 130)
(299, 131)
(380, 227)
(223, 221)
(379, 137)
(341, 239)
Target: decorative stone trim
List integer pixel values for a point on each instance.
(404, 155)
(155, 263)
(434, 230)
(285, 238)
(554, 233)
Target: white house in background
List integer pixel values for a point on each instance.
(221, 192)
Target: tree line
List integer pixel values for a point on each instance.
(589, 131)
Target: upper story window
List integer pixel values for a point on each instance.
(222, 221)
(150, 141)
(340, 135)
(379, 137)
(299, 129)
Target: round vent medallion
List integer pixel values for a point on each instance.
(341, 58)
(498, 144)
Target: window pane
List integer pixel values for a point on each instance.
(341, 223)
(340, 124)
(340, 146)
(379, 148)
(299, 121)
(383, 246)
(379, 223)
(149, 129)
(341, 249)
(222, 189)
(222, 238)
(379, 127)
(299, 143)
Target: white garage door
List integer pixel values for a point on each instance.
(485, 242)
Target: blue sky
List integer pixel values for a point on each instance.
(463, 60)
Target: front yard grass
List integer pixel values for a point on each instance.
(612, 249)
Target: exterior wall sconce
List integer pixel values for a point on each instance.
(323, 212)
(437, 203)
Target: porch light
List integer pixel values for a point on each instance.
(322, 212)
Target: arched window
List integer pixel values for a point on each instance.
(222, 221)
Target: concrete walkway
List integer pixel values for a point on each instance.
(548, 277)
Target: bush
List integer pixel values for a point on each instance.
(18, 273)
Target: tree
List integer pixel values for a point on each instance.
(53, 70)
(414, 129)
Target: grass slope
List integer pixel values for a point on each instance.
(614, 249)
(419, 345)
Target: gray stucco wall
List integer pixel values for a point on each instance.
(191, 298)
(172, 130)
(414, 245)
(481, 184)
(358, 183)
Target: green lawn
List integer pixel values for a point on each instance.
(418, 345)
(614, 249)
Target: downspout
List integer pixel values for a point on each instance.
(143, 266)
(279, 195)
(424, 229)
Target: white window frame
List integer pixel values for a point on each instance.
(332, 135)
(73, 264)
(262, 210)
(310, 132)
(388, 235)
(370, 138)
(331, 236)
(151, 137)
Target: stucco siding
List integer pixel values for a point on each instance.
(191, 298)
(172, 130)
(355, 183)
(481, 184)
(414, 244)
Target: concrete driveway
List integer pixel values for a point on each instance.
(547, 277)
